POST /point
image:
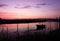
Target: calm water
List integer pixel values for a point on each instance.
(32, 26)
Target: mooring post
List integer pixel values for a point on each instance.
(59, 22)
(7, 32)
(50, 26)
(18, 35)
(28, 27)
(3, 31)
(17, 27)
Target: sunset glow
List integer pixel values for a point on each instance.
(11, 9)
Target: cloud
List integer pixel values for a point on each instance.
(41, 4)
(22, 7)
(38, 5)
(15, 7)
(3, 5)
(27, 6)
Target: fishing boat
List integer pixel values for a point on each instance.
(40, 27)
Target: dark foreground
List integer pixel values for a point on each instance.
(53, 35)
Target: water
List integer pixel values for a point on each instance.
(32, 27)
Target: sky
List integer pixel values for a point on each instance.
(12, 9)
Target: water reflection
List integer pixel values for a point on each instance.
(31, 26)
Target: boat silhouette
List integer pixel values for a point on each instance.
(40, 27)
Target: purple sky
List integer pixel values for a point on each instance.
(29, 8)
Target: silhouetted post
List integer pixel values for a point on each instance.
(59, 25)
(2, 29)
(28, 27)
(17, 27)
(17, 33)
(7, 32)
(17, 30)
(50, 26)
(17, 37)
(45, 27)
(56, 25)
(59, 22)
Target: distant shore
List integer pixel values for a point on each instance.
(11, 21)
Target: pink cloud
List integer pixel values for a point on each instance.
(2, 5)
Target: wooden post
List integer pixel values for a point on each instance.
(17, 31)
(28, 27)
(59, 25)
(50, 26)
(2, 29)
(17, 27)
(18, 35)
(59, 22)
(7, 32)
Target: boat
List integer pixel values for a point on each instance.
(40, 27)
